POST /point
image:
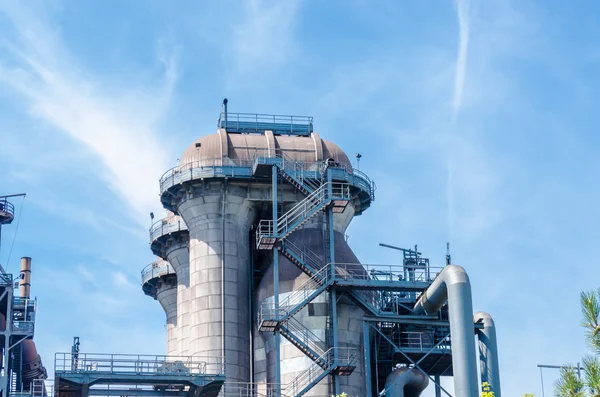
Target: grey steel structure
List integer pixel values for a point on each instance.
(20, 362)
(254, 235)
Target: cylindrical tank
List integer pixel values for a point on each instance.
(219, 219)
(405, 382)
(315, 315)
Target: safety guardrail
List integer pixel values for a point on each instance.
(7, 209)
(342, 356)
(390, 273)
(225, 167)
(251, 122)
(168, 225)
(26, 327)
(42, 388)
(130, 364)
(302, 211)
(155, 270)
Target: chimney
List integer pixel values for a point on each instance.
(25, 282)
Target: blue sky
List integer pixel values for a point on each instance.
(476, 119)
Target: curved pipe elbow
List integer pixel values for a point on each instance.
(488, 351)
(436, 295)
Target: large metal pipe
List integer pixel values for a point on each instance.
(452, 285)
(25, 281)
(488, 352)
(405, 382)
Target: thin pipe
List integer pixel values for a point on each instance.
(224, 198)
(367, 348)
(452, 285)
(488, 352)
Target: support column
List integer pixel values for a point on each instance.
(438, 391)
(367, 347)
(332, 294)
(276, 285)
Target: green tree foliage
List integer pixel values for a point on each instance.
(590, 308)
(570, 384)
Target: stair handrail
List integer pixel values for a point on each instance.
(327, 191)
(308, 337)
(304, 253)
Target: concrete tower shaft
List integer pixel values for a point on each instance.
(169, 239)
(159, 281)
(166, 295)
(178, 255)
(219, 217)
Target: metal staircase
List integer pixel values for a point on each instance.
(339, 361)
(335, 194)
(306, 177)
(270, 235)
(295, 301)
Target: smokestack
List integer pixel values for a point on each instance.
(25, 282)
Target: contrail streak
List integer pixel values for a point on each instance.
(462, 11)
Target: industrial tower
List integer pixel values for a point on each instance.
(22, 369)
(259, 275)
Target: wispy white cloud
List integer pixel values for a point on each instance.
(120, 128)
(462, 11)
(265, 35)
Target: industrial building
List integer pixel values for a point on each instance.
(254, 269)
(263, 297)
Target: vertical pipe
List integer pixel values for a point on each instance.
(25, 281)
(438, 390)
(276, 284)
(251, 311)
(223, 200)
(367, 347)
(225, 111)
(453, 285)
(488, 352)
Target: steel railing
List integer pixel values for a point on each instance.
(168, 225)
(155, 270)
(129, 364)
(389, 273)
(298, 297)
(227, 167)
(260, 122)
(7, 209)
(343, 356)
(303, 254)
(42, 388)
(302, 211)
(23, 326)
(251, 389)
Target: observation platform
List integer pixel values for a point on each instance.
(7, 211)
(154, 274)
(301, 172)
(165, 230)
(248, 123)
(81, 375)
